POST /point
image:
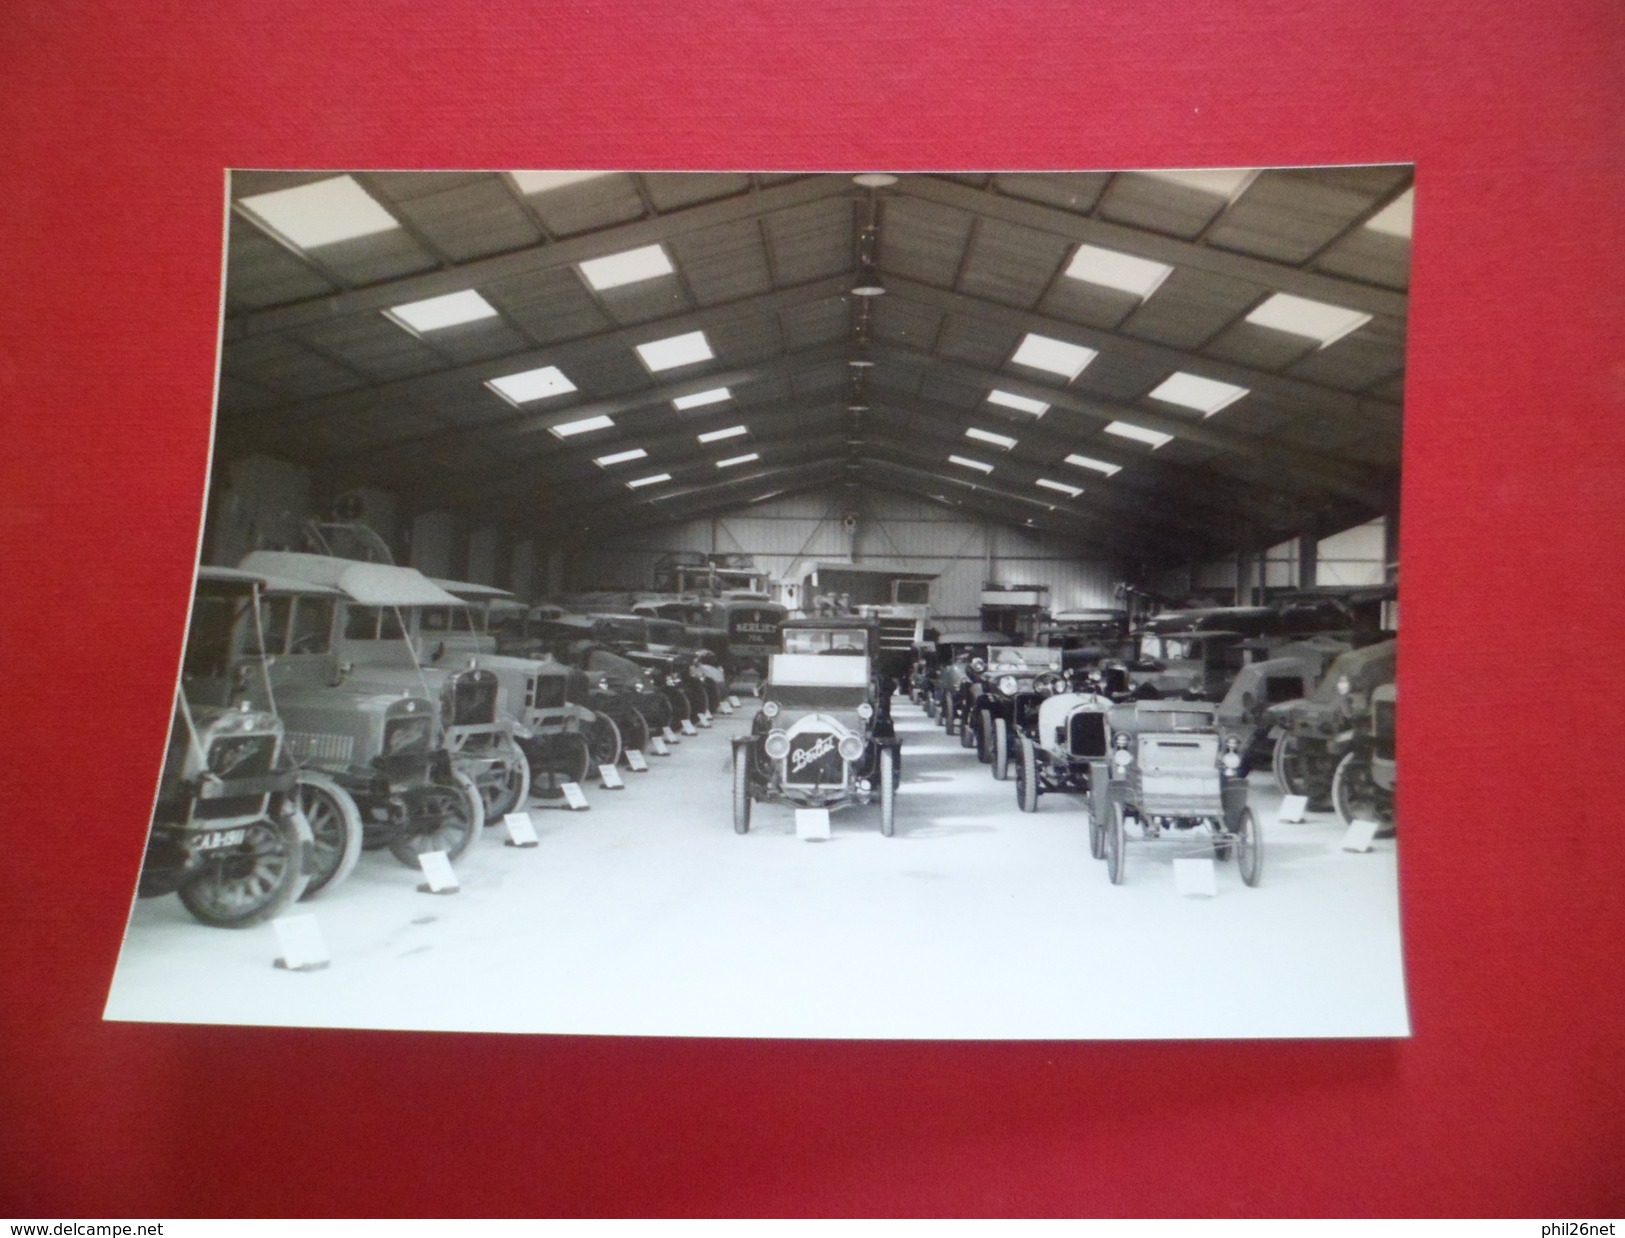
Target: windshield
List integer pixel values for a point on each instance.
(847, 641)
(1026, 656)
(437, 620)
(634, 631)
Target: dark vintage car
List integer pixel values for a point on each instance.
(1313, 734)
(741, 630)
(1364, 784)
(823, 737)
(1067, 748)
(1290, 673)
(1172, 776)
(1017, 679)
(962, 656)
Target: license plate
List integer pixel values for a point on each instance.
(215, 839)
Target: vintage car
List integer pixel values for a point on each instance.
(669, 669)
(741, 629)
(1172, 774)
(1312, 735)
(667, 636)
(1017, 678)
(378, 730)
(962, 656)
(1290, 673)
(1363, 786)
(564, 737)
(822, 737)
(1067, 748)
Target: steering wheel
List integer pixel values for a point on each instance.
(1047, 681)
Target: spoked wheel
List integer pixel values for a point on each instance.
(504, 789)
(564, 757)
(603, 740)
(1001, 749)
(1115, 843)
(634, 732)
(449, 819)
(1299, 767)
(1027, 777)
(742, 789)
(888, 791)
(1356, 796)
(1249, 848)
(335, 830)
(253, 881)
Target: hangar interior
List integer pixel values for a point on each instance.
(999, 397)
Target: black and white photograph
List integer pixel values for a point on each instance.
(849, 605)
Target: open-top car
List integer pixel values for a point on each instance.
(1017, 678)
(1364, 784)
(1067, 748)
(962, 656)
(1312, 735)
(1173, 776)
(822, 737)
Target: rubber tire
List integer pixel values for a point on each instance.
(466, 824)
(634, 728)
(514, 795)
(1001, 750)
(742, 789)
(1097, 835)
(678, 700)
(1281, 760)
(604, 745)
(888, 791)
(280, 849)
(930, 703)
(1249, 848)
(947, 713)
(1027, 777)
(1352, 773)
(1115, 843)
(984, 738)
(335, 830)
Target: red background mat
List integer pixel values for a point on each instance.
(117, 122)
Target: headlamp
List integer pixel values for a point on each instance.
(1231, 762)
(978, 664)
(1007, 685)
(777, 745)
(1343, 685)
(866, 711)
(770, 709)
(851, 748)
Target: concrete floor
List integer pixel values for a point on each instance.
(647, 915)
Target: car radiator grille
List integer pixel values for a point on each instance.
(547, 692)
(814, 759)
(1086, 735)
(320, 746)
(1383, 724)
(474, 699)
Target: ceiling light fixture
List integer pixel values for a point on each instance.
(868, 282)
(620, 457)
(541, 182)
(320, 213)
(1071, 492)
(528, 385)
(874, 180)
(733, 460)
(586, 424)
(1226, 183)
(1395, 219)
(987, 436)
(1005, 399)
(1139, 434)
(716, 436)
(652, 480)
(630, 267)
(1124, 272)
(700, 399)
(1040, 352)
(966, 462)
(1206, 395)
(674, 351)
(1315, 320)
(1099, 466)
(437, 313)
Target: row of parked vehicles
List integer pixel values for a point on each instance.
(330, 705)
(1158, 730)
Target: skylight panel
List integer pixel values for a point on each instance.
(1206, 395)
(1124, 272)
(1139, 434)
(1055, 356)
(654, 479)
(583, 426)
(717, 436)
(1004, 398)
(966, 462)
(714, 396)
(1226, 183)
(675, 350)
(733, 460)
(1071, 492)
(630, 267)
(620, 457)
(1395, 218)
(435, 314)
(321, 213)
(1315, 320)
(987, 436)
(528, 385)
(1099, 466)
(541, 182)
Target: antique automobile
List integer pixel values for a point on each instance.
(1173, 777)
(1311, 735)
(1067, 749)
(667, 636)
(378, 730)
(963, 658)
(741, 629)
(899, 632)
(822, 737)
(1087, 638)
(670, 667)
(564, 736)
(641, 696)
(1289, 674)
(1363, 786)
(1017, 678)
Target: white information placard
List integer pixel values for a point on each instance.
(1196, 877)
(521, 829)
(635, 761)
(299, 938)
(812, 824)
(1360, 836)
(669, 735)
(657, 745)
(574, 796)
(733, 701)
(436, 866)
(727, 707)
(1292, 808)
(705, 719)
(611, 778)
(688, 727)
